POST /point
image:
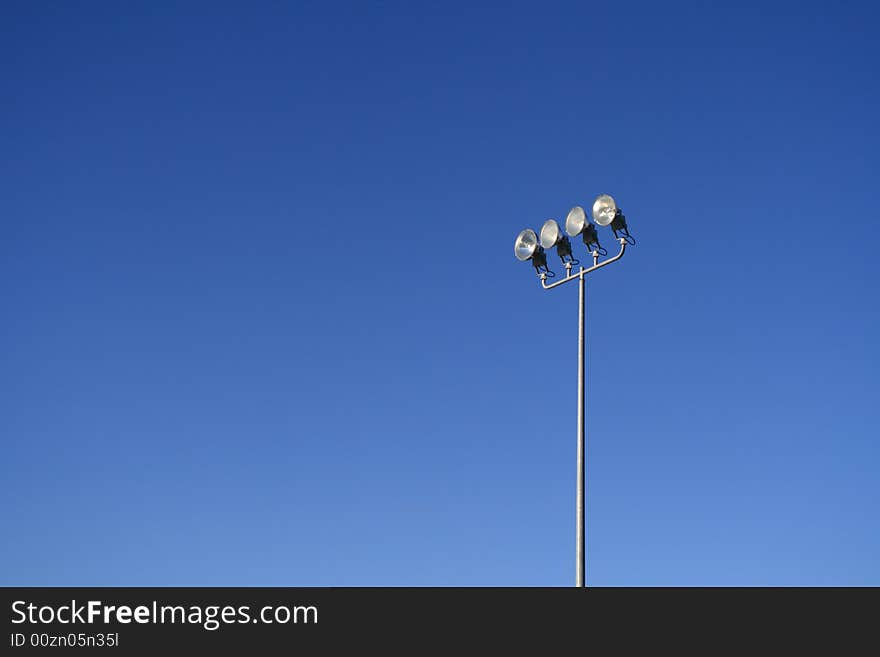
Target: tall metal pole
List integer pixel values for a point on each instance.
(581, 443)
(581, 552)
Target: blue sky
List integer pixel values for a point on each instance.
(262, 323)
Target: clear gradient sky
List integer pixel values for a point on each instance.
(262, 323)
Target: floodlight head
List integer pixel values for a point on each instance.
(575, 221)
(526, 245)
(604, 209)
(550, 234)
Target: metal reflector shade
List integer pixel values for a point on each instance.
(525, 245)
(604, 209)
(550, 234)
(575, 221)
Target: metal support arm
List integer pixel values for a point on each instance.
(584, 272)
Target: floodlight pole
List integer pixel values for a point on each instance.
(581, 567)
(581, 552)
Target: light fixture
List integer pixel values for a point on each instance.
(576, 224)
(526, 244)
(604, 209)
(575, 221)
(605, 212)
(552, 236)
(526, 247)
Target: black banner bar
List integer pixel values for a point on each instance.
(137, 620)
